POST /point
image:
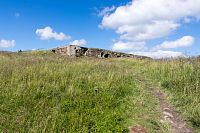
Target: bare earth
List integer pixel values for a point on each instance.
(169, 115)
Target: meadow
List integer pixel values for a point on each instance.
(44, 92)
(180, 79)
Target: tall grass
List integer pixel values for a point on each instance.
(181, 79)
(42, 92)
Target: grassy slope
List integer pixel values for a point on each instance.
(47, 93)
(180, 79)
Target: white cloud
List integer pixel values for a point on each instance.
(142, 20)
(143, 32)
(185, 41)
(160, 54)
(128, 46)
(81, 42)
(47, 33)
(106, 11)
(7, 43)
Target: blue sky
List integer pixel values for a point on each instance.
(108, 24)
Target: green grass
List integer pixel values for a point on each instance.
(42, 92)
(181, 80)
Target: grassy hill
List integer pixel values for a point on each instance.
(44, 92)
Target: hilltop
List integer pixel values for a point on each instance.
(45, 92)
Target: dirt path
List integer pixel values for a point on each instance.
(168, 112)
(169, 115)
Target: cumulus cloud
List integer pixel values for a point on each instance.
(81, 42)
(7, 43)
(185, 41)
(160, 54)
(128, 46)
(47, 33)
(159, 51)
(143, 32)
(144, 20)
(149, 19)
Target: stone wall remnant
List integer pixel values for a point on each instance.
(78, 51)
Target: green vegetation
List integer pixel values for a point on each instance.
(43, 92)
(181, 80)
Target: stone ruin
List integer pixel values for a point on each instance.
(78, 51)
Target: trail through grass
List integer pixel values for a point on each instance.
(43, 92)
(180, 80)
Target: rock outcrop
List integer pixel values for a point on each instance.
(78, 51)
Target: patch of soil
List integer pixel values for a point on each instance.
(137, 129)
(170, 115)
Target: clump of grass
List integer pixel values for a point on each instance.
(43, 92)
